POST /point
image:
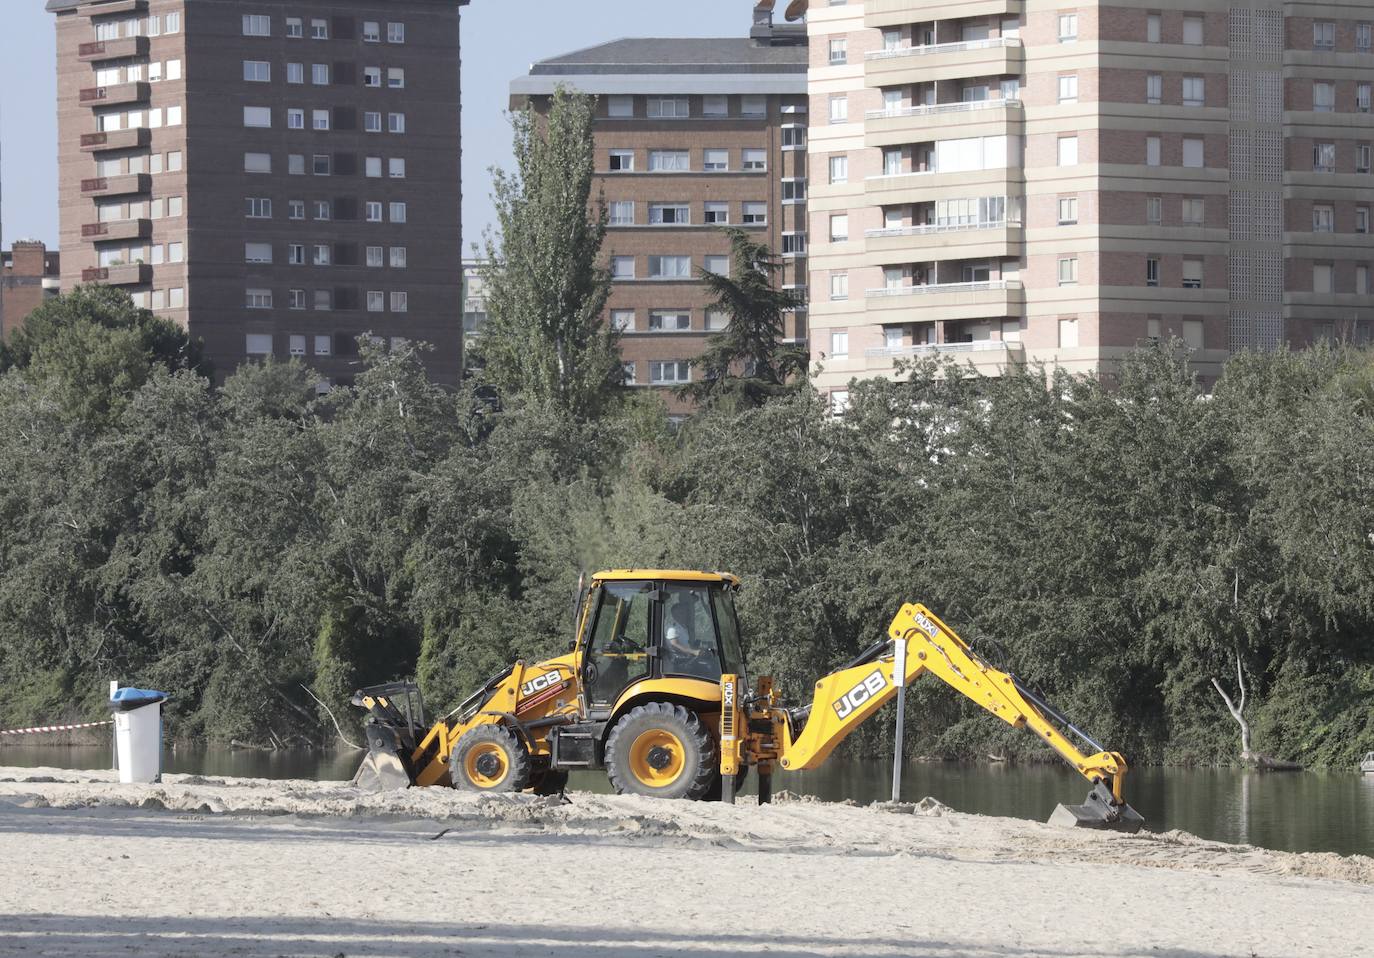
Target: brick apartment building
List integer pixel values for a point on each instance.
(691, 135)
(277, 176)
(29, 274)
(1013, 182)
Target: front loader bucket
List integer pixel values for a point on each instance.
(1100, 810)
(382, 770)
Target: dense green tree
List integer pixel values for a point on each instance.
(546, 339)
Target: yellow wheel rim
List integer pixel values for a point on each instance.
(489, 775)
(657, 758)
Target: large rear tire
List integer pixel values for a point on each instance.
(489, 758)
(662, 751)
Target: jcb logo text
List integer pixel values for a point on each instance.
(874, 683)
(542, 682)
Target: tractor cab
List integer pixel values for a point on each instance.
(644, 625)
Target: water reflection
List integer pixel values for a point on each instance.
(1294, 811)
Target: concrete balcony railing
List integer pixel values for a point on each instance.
(895, 13)
(132, 274)
(938, 109)
(117, 95)
(930, 349)
(117, 230)
(133, 139)
(124, 185)
(988, 299)
(935, 289)
(930, 229)
(116, 6)
(996, 56)
(907, 244)
(99, 50)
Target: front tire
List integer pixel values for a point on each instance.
(489, 759)
(662, 751)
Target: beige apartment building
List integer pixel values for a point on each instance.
(1011, 181)
(277, 176)
(691, 135)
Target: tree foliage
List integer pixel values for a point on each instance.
(545, 339)
(1116, 544)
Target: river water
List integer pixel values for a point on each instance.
(1292, 811)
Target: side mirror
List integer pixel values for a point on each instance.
(572, 645)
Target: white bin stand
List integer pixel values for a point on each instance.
(138, 737)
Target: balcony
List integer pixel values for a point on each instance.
(896, 13)
(100, 50)
(931, 349)
(997, 56)
(897, 126)
(927, 185)
(125, 185)
(978, 300)
(133, 274)
(116, 140)
(116, 6)
(117, 95)
(945, 241)
(117, 230)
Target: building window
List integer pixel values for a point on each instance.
(794, 190)
(1361, 219)
(715, 105)
(668, 108)
(1323, 96)
(1322, 278)
(372, 211)
(621, 161)
(839, 344)
(295, 119)
(1068, 88)
(1192, 274)
(794, 244)
(400, 301)
(1194, 91)
(259, 207)
(669, 321)
(1152, 271)
(1362, 97)
(839, 169)
(720, 265)
(1323, 218)
(397, 212)
(717, 320)
(715, 213)
(1192, 151)
(623, 320)
(627, 374)
(324, 299)
(372, 122)
(670, 267)
(295, 254)
(1068, 27)
(372, 31)
(319, 74)
(256, 25)
(1154, 88)
(376, 301)
(320, 119)
(1152, 151)
(1068, 210)
(839, 108)
(254, 71)
(374, 257)
(839, 285)
(295, 209)
(258, 299)
(669, 372)
(669, 161)
(396, 122)
(1152, 27)
(1068, 151)
(753, 161)
(372, 77)
(669, 214)
(1323, 35)
(1361, 157)
(295, 73)
(620, 105)
(395, 33)
(1362, 37)
(324, 210)
(372, 166)
(322, 254)
(793, 136)
(839, 51)
(753, 104)
(319, 29)
(1068, 332)
(257, 163)
(258, 344)
(622, 267)
(754, 214)
(1194, 211)
(395, 78)
(839, 227)
(622, 213)
(297, 347)
(398, 257)
(715, 161)
(1324, 157)
(1362, 279)
(1192, 31)
(320, 164)
(1068, 271)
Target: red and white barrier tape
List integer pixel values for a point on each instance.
(52, 728)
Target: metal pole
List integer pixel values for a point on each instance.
(899, 676)
(114, 733)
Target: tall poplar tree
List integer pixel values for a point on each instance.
(545, 339)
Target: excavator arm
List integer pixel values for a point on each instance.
(848, 696)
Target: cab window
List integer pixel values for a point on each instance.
(618, 652)
(732, 656)
(689, 633)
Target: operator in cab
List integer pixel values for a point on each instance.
(689, 642)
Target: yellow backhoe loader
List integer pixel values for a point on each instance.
(654, 691)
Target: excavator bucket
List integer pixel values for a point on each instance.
(381, 771)
(1100, 810)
